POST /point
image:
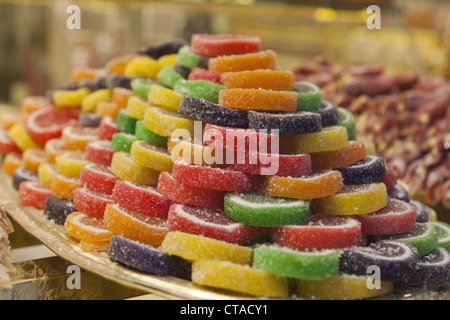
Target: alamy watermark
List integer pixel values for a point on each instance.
(374, 20)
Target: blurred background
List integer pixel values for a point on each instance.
(38, 50)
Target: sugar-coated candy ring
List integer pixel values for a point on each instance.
(256, 209)
(209, 223)
(33, 193)
(33, 103)
(142, 66)
(99, 152)
(69, 98)
(182, 148)
(399, 192)
(390, 178)
(212, 177)
(97, 177)
(54, 147)
(443, 233)
(342, 287)
(188, 59)
(259, 99)
(125, 123)
(63, 186)
(203, 74)
(11, 162)
(239, 278)
(79, 74)
(124, 167)
(70, 163)
(89, 119)
(309, 96)
(287, 262)
(319, 232)
(330, 138)
(224, 44)
(141, 198)
(120, 96)
(194, 247)
(287, 123)
(107, 128)
(422, 210)
(432, 270)
(284, 165)
(315, 185)
(33, 157)
(423, 236)
(397, 216)
(117, 65)
(351, 153)
(122, 141)
(91, 202)
(395, 260)
(82, 227)
(57, 209)
(353, 200)
(142, 133)
(328, 110)
(368, 170)
(207, 111)
(21, 174)
(48, 123)
(136, 108)
(90, 101)
(168, 76)
(77, 137)
(147, 259)
(190, 195)
(200, 89)
(21, 138)
(46, 171)
(268, 79)
(135, 225)
(249, 61)
(347, 119)
(151, 156)
(164, 122)
(7, 145)
(141, 86)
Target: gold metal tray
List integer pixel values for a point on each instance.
(54, 237)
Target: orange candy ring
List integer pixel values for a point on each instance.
(33, 157)
(121, 95)
(268, 79)
(316, 185)
(55, 147)
(241, 62)
(63, 186)
(134, 225)
(76, 138)
(353, 151)
(11, 162)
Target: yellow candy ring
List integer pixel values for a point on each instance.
(46, 171)
(136, 107)
(195, 153)
(69, 98)
(165, 98)
(70, 163)
(165, 122)
(143, 67)
(151, 156)
(328, 139)
(124, 167)
(353, 199)
(195, 247)
(239, 278)
(342, 287)
(21, 138)
(90, 101)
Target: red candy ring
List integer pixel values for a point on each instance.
(215, 178)
(209, 223)
(211, 45)
(7, 145)
(185, 194)
(141, 198)
(48, 122)
(107, 128)
(33, 194)
(98, 178)
(90, 202)
(100, 152)
(321, 231)
(390, 179)
(397, 216)
(203, 74)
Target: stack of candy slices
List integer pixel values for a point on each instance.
(206, 162)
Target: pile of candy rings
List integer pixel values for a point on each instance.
(206, 162)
